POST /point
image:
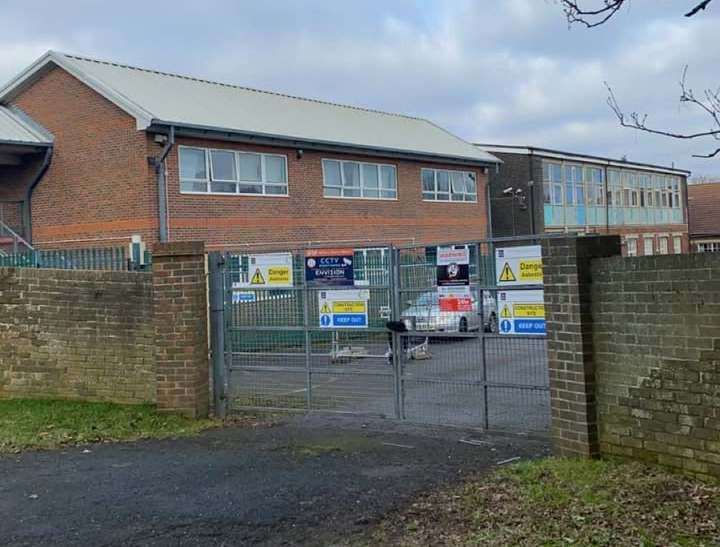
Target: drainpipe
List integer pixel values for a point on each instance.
(158, 162)
(27, 213)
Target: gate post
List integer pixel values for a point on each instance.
(216, 297)
(181, 344)
(567, 280)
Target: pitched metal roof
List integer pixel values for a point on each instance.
(17, 129)
(160, 98)
(703, 207)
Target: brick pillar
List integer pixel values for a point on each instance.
(566, 269)
(180, 307)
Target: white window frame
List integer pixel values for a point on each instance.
(677, 243)
(663, 244)
(450, 190)
(361, 186)
(263, 182)
(634, 241)
(648, 241)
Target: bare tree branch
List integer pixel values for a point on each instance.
(594, 17)
(710, 104)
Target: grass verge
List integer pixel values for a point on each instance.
(557, 502)
(42, 424)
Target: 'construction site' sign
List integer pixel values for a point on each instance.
(519, 266)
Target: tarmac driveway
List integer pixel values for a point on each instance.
(308, 480)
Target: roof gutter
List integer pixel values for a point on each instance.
(196, 131)
(158, 162)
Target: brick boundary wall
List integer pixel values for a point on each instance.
(566, 269)
(634, 353)
(84, 335)
(181, 328)
(656, 335)
(123, 337)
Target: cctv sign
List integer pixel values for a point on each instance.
(329, 267)
(453, 266)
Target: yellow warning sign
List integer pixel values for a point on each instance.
(505, 313)
(531, 270)
(529, 310)
(507, 274)
(257, 278)
(279, 275)
(325, 308)
(348, 306)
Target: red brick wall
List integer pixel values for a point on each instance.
(100, 190)
(306, 216)
(99, 185)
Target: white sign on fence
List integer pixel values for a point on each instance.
(267, 271)
(521, 312)
(343, 309)
(518, 266)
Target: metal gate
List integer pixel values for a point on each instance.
(271, 350)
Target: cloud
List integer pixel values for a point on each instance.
(506, 71)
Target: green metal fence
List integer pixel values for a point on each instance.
(111, 258)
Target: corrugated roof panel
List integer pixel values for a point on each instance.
(13, 129)
(192, 102)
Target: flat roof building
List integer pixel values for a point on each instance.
(538, 190)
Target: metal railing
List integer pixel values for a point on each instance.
(111, 258)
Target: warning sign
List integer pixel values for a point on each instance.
(453, 299)
(343, 309)
(507, 274)
(521, 312)
(263, 271)
(519, 266)
(257, 278)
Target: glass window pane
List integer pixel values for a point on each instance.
(275, 169)
(442, 196)
(224, 187)
(277, 190)
(223, 165)
(333, 192)
(470, 184)
(193, 186)
(428, 195)
(249, 167)
(443, 181)
(351, 174)
(388, 177)
(458, 182)
(331, 169)
(250, 188)
(370, 177)
(428, 180)
(371, 193)
(351, 192)
(192, 163)
(556, 172)
(391, 194)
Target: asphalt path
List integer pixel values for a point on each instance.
(307, 481)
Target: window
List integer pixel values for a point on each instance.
(442, 185)
(677, 244)
(230, 172)
(709, 247)
(663, 243)
(371, 266)
(552, 183)
(647, 246)
(596, 188)
(631, 246)
(352, 179)
(574, 190)
(676, 193)
(614, 188)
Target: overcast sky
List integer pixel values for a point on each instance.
(500, 71)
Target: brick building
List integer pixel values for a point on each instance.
(703, 208)
(536, 190)
(120, 151)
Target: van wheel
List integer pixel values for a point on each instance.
(463, 327)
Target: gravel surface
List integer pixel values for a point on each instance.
(306, 480)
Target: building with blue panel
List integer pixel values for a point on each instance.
(537, 190)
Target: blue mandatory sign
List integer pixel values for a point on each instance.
(349, 320)
(530, 326)
(325, 320)
(505, 325)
